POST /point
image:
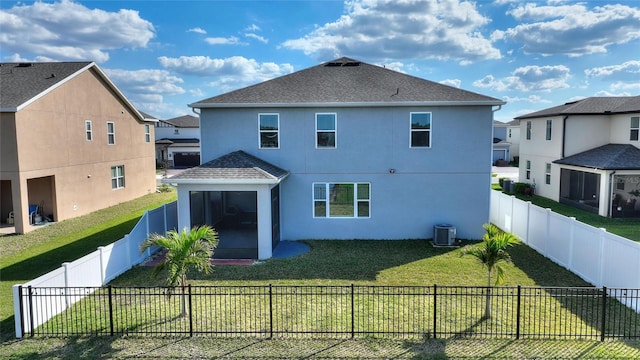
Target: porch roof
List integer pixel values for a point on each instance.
(607, 157)
(237, 167)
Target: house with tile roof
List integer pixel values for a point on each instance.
(586, 154)
(178, 142)
(341, 150)
(71, 143)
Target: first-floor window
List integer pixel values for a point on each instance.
(547, 174)
(345, 200)
(117, 177)
(528, 170)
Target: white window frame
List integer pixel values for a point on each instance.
(334, 131)
(147, 133)
(549, 128)
(634, 131)
(547, 174)
(117, 177)
(111, 133)
(326, 199)
(527, 170)
(528, 130)
(88, 128)
(412, 130)
(277, 131)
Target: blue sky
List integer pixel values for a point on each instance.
(164, 55)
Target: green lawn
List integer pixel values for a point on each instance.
(625, 227)
(25, 257)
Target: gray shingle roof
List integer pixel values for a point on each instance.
(237, 166)
(607, 157)
(21, 82)
(185, 121)
(346, 81)
(592, 105)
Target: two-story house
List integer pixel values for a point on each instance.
(585, 153)
(341, 150)
(71, 143)
(178, 142)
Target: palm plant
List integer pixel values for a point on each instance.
(491, 253)
(184, 250)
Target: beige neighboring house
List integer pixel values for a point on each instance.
(71, 143)
(585, 154)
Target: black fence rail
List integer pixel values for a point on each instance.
(334, 311)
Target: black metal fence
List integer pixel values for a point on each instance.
(334, 311)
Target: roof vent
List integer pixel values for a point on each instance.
(352, 63)
(24, 65)
(333, 64)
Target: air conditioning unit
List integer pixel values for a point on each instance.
(444, 235)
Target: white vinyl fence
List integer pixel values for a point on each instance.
(90, 271)
(597, 256)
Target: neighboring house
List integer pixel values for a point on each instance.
(71, 143)
(178, 142)
(501, 147)
(586, 154)
(341, 150)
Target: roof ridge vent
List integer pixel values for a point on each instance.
(333, 64)
(24, 65)
(352, 63)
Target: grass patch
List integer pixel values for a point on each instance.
(626, 227)
(25, 257)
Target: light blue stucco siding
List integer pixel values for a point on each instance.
(449, 182)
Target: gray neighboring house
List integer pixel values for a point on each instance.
(586, 154)
(341, 150)
(178, 142)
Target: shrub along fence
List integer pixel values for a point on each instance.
(91, 271)
(335, 312)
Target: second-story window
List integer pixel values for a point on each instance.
(420, 130)
(88, 130)
(528, 130)
(269, 127)
(147, 133)
(111, 133)
(635, 128)
(326, 130)
(548, 136)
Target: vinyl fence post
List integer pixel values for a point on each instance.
(18, 310)
(435, 303)
(352, 313)
(110, 310)
(604, 312)
(270, 311)
(518, 314)
(190, 314)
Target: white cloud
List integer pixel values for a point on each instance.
(231, 40)
(529, 78)
(257, 37)
(452, 82)
(146, 87)
(70, 31)
(573, 30)
(197, 30)
(379, 29)
(252, 28)
(533, 99)
(626, 72)
(228, 74)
